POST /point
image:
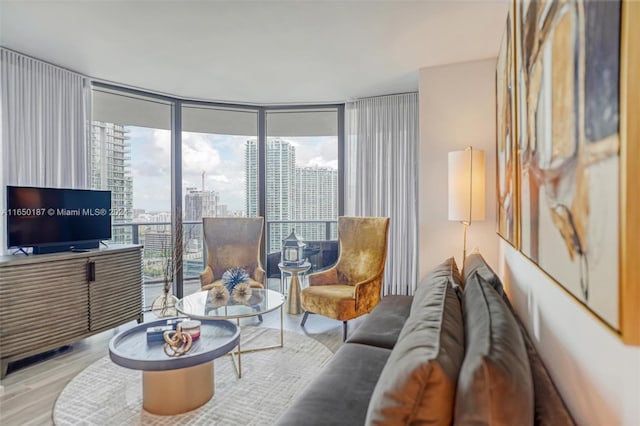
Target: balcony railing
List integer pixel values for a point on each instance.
(158, 248)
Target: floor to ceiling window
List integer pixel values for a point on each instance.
(301, 167)
(160, 155)
(219, 175)
(131, 157)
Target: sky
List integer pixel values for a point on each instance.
(220, 156)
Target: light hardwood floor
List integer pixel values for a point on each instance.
(28, 394)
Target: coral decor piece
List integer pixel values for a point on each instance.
(242, 292)
(219, 295)
(234, 276)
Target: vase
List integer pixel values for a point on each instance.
(165, 306)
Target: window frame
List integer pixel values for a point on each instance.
(176, 155)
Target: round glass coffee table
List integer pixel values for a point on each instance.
(203, 305)
(180, 384)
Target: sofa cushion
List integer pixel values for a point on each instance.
(383, 324)
(417, 385)
(494, 386)
(447, 269)
(549, 409)
(339, 395)
(475, 263)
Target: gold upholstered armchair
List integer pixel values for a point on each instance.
(353, 285)
(232, 242)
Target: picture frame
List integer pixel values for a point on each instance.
(577, 67)
(506, 172)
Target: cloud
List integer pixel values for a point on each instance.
(321, 162)
(318, 151)
(198, 155)
(150, 152)
(220, 156)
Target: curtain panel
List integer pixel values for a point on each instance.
(44, 126)
(381, 173)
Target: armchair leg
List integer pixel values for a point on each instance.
(344, 331)
(304, 318)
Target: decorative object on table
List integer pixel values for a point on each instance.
(192, 327)
(174, 322)
(232, 242)
(293, 250)
(219, 295)
(234, 276)
(164, 305)
(466, 189)
(242, 292)
(577, 92)
(156, 334)
(177, 342)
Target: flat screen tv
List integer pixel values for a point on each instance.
(52, 219)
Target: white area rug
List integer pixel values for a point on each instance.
(107, 394)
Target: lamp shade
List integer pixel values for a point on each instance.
(466, 185)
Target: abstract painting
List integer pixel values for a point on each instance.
(505, 131)
(568, 144)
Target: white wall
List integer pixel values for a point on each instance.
(457, 109)
(598, 376)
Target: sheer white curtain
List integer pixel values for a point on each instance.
(44, 131)
(381, 172)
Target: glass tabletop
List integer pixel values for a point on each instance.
(203, 305)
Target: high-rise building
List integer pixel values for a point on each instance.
(158, 241)
(280, 183)
(308, 193)
(316, 198)
(199, 204)
(251, 178)
(223, 210)
(111, 170)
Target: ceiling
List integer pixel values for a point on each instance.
(268, 52)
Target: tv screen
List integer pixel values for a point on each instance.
(48, 216)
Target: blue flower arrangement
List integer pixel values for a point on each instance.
(234, 276)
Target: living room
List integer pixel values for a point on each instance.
(364, 106)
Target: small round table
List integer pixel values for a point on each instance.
(293, 297)
(174, 385)
(200, 305)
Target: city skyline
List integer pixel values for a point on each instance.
(220, 156)
(292, 192)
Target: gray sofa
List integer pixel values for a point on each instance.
(454, 353)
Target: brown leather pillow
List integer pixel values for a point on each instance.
(418, 382)
(494, 385)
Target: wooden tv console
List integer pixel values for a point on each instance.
(52, 300)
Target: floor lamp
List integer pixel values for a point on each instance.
(466, 189)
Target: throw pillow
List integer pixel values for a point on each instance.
(475, 263)
(418, 382)
(494, 385)
(447, 269)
